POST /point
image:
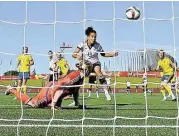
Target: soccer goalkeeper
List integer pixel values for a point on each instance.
(54, 92)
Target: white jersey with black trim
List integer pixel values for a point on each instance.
(52, 64)
(90, 54)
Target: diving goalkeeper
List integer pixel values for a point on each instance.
(52, 93)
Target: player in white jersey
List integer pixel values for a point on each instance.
(53, 68)
(128, 84)
(90, 49)
(144, 85)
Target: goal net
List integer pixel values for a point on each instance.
(44, 26)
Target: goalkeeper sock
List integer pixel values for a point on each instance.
(25, 89)
(168, 88)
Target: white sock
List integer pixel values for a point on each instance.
(97, 94)
(89, 93)
(106, 91)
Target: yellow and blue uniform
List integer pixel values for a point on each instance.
(64, 67)
(24, 69)
(24, 66)
(167, 69)
(167, 75)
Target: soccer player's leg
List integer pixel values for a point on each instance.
(92, 80)
(97, 89)
(44, 97)
(20, 96)
(102, 80)
(89, 91)
(26, 76)
(167, 85)
(20, 78)
(64, 93)
(75, 93)
(19, 82)
(105, 88)
(162, 89)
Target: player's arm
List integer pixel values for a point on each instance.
(18, 62)
(172, 64)
(77, 50)
(55, 98)
(75, 54)
(158, 67)
(113, 54)
(31, 61)
(67, 69)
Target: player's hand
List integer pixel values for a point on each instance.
(114, 54)
(79, 57)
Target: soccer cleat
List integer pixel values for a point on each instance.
(72, 104)
(164, 99)
(58, 108)
(14, 98)
(7, 92)
(108, 97)
(174, 99)
(81, 107)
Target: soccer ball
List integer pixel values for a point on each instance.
(132, 13)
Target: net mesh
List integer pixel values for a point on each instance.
(129, 60)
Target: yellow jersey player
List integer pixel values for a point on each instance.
(24, 62)
(64, 69)
(167, 68)
(63, 66)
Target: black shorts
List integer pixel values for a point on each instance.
(53, 77)
(128, 88)
(92, 79)
(96, 64)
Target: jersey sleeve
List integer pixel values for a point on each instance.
(100, 49)
(80, 46)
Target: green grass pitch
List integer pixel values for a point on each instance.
(133, 106)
